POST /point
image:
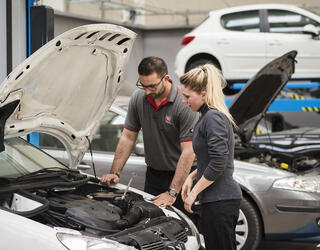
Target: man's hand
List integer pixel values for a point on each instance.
(123, 151)
(163, 200)
(110, 179)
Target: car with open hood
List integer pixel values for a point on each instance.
(281, 191)
(64, 89)
(281, 188)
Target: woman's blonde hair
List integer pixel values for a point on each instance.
(210, 79)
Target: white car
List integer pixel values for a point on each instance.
(64, 89)
(240, 40)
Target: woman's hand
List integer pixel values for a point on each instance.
(190, 196)
(186, 188)
(189, 201)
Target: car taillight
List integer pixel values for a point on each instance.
(187, 40)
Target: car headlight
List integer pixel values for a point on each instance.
(309, 184)
(81, 242)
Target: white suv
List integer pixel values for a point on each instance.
(240, 40)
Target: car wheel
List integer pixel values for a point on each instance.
(248, 229)
(200, 62)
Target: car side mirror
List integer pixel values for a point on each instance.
(139, 150)
(311, 30)
(83, 167)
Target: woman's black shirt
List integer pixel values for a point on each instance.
(213, 144)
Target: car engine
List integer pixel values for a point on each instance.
(81, 203)
(286, 161)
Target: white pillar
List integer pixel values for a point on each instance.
(3, 41)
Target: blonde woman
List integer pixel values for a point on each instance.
(213, 144)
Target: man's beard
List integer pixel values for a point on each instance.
(157, 95)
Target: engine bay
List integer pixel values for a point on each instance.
(287, 161)
(96, 210)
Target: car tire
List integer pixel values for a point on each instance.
(248, 229)
(200, 62)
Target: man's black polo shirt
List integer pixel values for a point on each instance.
(163, 127)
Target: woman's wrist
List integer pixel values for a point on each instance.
(193, 192)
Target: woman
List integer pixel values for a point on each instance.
(213, 144)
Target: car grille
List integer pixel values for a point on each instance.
(159, 233)
(154, 246)
(182, 236)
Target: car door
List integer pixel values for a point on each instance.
(286, 33)
(243, 43)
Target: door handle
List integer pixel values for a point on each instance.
(222, 42)
(275, 43)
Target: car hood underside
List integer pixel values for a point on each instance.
(65, 88)
(254, 99)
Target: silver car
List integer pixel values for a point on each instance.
(279, 203)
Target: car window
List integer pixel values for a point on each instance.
(283, 21)
(105, 139)
(20, 157)
(48, 141)
(247, 21)
(108, 134)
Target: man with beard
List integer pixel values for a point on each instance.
(167, 127)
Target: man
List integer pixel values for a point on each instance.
(167, 126)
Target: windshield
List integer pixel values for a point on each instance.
(20, 158)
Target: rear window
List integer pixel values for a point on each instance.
(246, 21)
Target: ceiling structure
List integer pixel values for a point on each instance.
(158, 13)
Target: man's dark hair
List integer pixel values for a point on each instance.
(152, 64)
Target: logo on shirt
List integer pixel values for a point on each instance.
(213, 138)
(168, 119)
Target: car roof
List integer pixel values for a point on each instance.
(255, 6)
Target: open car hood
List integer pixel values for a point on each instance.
(253, 101)
(65, 88)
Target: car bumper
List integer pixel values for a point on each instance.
(180, 62)
(290, 214)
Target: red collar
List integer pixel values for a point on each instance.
(170, 98)
(154, 103)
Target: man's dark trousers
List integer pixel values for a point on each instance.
(158, 182)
